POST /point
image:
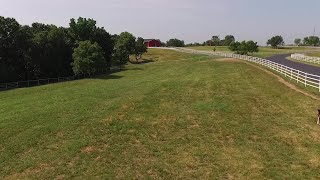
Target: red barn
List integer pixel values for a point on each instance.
(152, 42)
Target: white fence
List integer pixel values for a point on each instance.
(306, 79)
(302, 57)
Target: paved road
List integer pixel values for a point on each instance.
(281, 59)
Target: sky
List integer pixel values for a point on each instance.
(189, 20)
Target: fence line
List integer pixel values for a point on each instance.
(302, 57)
(306, 79)
(39, 82)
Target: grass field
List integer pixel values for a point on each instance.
(210, 48)
(163, 55)
(263, 51)
(314, 54)
(181, 117)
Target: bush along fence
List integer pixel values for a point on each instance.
(308, 80)
(302, 57)
(40, 82)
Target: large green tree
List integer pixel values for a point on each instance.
(311, 41)
(105, 41)
(84, 29)
(14, 48)
(127, 40)
(234, 46)
(140, 48)
(244, 47)
(215, 41)
(252, 47)
(175, 43)
(275, 42)
(51, 51)
(120, 55)
(88, 58)
(124, 47)
(297, 41)
(42, 50)
(228, 40)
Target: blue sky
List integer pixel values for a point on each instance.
(190, 20)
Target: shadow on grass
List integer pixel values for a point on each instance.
(107, 77)
(126, 69)
(112, 76)
(143, 61)
(285, 48)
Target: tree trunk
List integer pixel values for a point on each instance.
(138, 57)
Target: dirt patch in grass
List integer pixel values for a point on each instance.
(87, 149)
(228, 60)
(30, 171)
(222, 60)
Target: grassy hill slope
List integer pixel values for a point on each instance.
(194, 118)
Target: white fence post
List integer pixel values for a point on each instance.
(305, 79)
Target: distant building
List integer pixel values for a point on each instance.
(152, 42)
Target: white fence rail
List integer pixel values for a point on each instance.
(306, 79)
(302, 57)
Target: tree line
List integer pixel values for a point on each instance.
(308, 41)
(277, 41)
(44, 51)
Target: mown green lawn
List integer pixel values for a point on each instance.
(191, 119)
(263, 51)
(314, 54)
(210, 48)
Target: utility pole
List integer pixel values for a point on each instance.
(314, 31)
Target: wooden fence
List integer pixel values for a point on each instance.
(302, 57)
(308, 80)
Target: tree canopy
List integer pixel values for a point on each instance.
(215, 40)
(175, 43)
(15, 42)
(48, 51)
(51, 51)
(140, 48)
(297, 41)
(88, 58)
(311, 41)
(228, 40)
(82, 29)
(124, 47)
(275, 42)
(244, 47)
